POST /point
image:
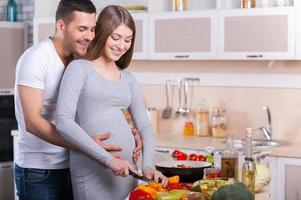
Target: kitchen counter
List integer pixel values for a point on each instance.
(198, 143)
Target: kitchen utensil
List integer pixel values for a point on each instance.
(185, 107)
(179, 110)
(188, 171)
(168, 109)
(140, 177)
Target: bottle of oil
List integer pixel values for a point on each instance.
(229, 160)
(249, 167)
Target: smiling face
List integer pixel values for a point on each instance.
(118, 43)
(78, 33)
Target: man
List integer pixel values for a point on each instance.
(42, 168)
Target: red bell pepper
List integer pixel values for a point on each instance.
(179, 155)
(140, 195)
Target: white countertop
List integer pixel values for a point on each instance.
(198, 143)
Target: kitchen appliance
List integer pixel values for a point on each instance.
(188, 171)
(7, 123)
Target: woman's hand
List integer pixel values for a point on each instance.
(155, 175)
(120, 167)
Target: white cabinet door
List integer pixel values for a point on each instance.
(186, 35)
(43, 28)
(13, 40)
(258, 33)
(141, 41)
(289, 179)
(298, 33)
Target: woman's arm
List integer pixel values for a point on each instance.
(71, 86)
(142, 123)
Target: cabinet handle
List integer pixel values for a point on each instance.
(6, 166)
(162, 151)
(254, 56)
(181, 56)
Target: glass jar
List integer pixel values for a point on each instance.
(179, 5)
(247, 3)
(202, 119)
(188, 129)
(218, 123)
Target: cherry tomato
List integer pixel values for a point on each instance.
(201, 158)
(193, 156)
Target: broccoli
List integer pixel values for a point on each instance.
(236, 191)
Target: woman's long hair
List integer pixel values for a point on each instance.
(108, 20)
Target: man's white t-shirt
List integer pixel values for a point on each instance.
(40, 67)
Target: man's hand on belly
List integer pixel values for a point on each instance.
(108, 147)
(138, 142)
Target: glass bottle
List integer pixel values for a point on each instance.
(188, 129)
(11, 11)
(179, 5)
(247, 3)
(202, 119)
(218, 123)
(249, 167)
(229, 160)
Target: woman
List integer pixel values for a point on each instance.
(93, 94)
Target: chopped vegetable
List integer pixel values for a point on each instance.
(140, 195)
(236, 191)
(174, 179)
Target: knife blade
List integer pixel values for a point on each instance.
(137, 176)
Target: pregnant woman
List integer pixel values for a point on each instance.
(93, 94)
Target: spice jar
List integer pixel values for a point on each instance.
(218, 123)
(188, 129)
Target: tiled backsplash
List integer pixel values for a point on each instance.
(25, 14)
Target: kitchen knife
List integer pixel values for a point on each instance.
(140, 177)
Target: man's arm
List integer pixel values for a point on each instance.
(32, 105)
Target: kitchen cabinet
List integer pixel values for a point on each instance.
(298, 33)
(189, 35)
(289, 178)
(45, 27)
(141, 42)
(258, 33)
(208, 29)
(13, 39)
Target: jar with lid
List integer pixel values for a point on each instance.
(219, 123)
(188, 129)
(202, 119)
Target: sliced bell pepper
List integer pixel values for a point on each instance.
(138, 194)
(174, 179)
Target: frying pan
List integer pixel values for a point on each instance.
(193, 170)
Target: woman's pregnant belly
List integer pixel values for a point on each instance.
(112, 121)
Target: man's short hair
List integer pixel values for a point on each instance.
(66, 8)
